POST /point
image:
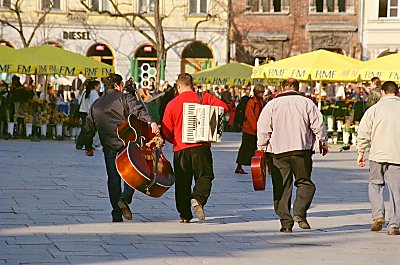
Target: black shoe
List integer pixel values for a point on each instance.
(117, 220)
(79, 147)
(240, 171)
(302, 222)
(184, 221)
(126, 212)
(286, 230)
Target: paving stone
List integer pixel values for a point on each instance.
(55, 210)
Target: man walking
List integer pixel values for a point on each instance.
(190, 159)
(105, 115)
(378, 131)
(374, 93)
(288, 128)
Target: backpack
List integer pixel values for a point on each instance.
(241, 109)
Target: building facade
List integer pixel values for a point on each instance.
(70, 25)
(379, 28)
(277, 29)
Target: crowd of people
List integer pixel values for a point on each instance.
(70, 97)
(285, 122)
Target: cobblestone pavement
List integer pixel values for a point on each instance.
(55, 210)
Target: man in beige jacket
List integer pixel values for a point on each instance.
(379, 131)
(288, 128)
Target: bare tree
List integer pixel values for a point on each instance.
(16, 21)
(151, 29)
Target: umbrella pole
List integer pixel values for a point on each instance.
(36, 84)
(46, 81)
(319, 86)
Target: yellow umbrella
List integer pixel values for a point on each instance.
(12, 62)
(320, 65)
(53, 60)
(387, 68)
(227, 74)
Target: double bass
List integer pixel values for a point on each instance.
(142, 164)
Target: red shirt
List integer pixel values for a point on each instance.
(172, 121)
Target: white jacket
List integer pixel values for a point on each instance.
(86, 103)
(290, 123)
(379, 131)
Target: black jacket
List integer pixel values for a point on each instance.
(109, 111)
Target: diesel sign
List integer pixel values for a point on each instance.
(76, 35)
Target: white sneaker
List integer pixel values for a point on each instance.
(198, 210)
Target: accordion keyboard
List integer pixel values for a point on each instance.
(189, 123)
(201, 123)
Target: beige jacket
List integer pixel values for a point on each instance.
(379, 131)
(290, 123)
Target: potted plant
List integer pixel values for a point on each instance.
(346, 133)
(43, 120)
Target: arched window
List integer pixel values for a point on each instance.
(101, 52)
(6, 43)
(195, 57)
(145, 66)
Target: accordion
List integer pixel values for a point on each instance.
(201, 123)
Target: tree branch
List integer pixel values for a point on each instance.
(16, 9)
(126, 16)
(40, 22)
(208, 18)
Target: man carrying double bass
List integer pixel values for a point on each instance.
(106, 113)
(190, 159)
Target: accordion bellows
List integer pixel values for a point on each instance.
(201, 123)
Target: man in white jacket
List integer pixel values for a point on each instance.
(379, 131)
(288, 128)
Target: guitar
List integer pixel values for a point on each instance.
(142, 164)
(259, 169)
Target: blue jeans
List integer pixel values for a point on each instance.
(114, 185)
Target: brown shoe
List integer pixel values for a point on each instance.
(302, 222)
(377, 224)
(184, 221)
(393, 232)
(126, 212)
(198, 210)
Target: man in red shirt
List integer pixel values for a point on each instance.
(190, 159)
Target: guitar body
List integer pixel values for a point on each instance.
(259, 169)
(142, 164)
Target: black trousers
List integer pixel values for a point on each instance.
(282, 173)
(247, 149)
(80, 141)
(197, 162)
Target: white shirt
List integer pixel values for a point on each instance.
(86, 103)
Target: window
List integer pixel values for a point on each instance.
(146, 6)
(388, 8)
(5, 3)
(198, 6)
(331, 6)
(56, 4)
(101, 5)
(270, 6)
